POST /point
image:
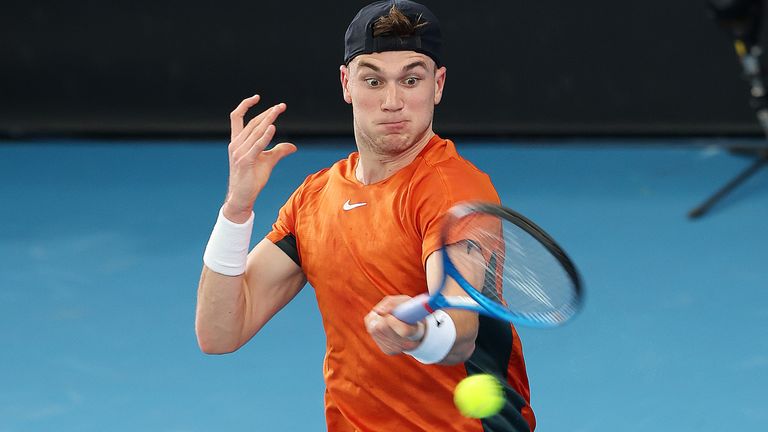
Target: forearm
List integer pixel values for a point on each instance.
(232, 309)
(462, 331)
(226, 317)
(467, 325)
(222, 290)
(220, 314)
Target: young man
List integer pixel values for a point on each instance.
(364, 233)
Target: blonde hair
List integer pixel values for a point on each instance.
(396, 23)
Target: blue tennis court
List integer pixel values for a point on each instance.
(101, 247)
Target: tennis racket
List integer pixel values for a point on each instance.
(509, 268)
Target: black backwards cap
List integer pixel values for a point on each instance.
(426, 40)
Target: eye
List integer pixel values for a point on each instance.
(411, 81)
(372, 82)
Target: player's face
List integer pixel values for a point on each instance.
(393, 96)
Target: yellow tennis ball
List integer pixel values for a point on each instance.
(479, 396)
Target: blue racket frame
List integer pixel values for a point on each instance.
(423, 305)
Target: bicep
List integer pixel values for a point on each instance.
(434, 271)
(272, 279)
(466, 322)
(468, 259)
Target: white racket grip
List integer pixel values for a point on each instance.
(413, 310)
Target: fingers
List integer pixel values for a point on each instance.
(279, 151)
(389, 333)
(257, 127)
(385, 338)
(255, 133)
(385, 307)
(371, 321)
(403, 330)
(258, 143)
(236, 116)
(388, 303)
(239, 131)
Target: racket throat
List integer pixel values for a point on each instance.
(429, 308)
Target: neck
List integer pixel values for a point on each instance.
(375, 166)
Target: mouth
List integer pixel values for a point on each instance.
(394, 123)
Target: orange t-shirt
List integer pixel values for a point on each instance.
(358, 243)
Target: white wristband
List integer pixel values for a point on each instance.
(438, 341)
(227, 250)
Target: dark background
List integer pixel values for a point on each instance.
(544, 67)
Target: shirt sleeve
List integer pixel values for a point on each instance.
(283, 233)
(285, 223)
(447, 185)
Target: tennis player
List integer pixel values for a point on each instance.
(364, 233)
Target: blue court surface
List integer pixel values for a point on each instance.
(101, 248)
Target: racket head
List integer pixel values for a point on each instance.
(509, 266)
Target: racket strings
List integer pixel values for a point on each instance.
(520, 273)
(523, 277)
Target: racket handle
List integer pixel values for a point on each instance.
(413, 310)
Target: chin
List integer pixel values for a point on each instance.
(395, 143)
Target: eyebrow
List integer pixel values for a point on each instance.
(406, 68)
(414, 65)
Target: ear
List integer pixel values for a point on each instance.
(344, 78)
(439, 84)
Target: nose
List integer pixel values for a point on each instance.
(392, 98)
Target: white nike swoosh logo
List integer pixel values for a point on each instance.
(348, 206)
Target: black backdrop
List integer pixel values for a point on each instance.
(514, 67)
